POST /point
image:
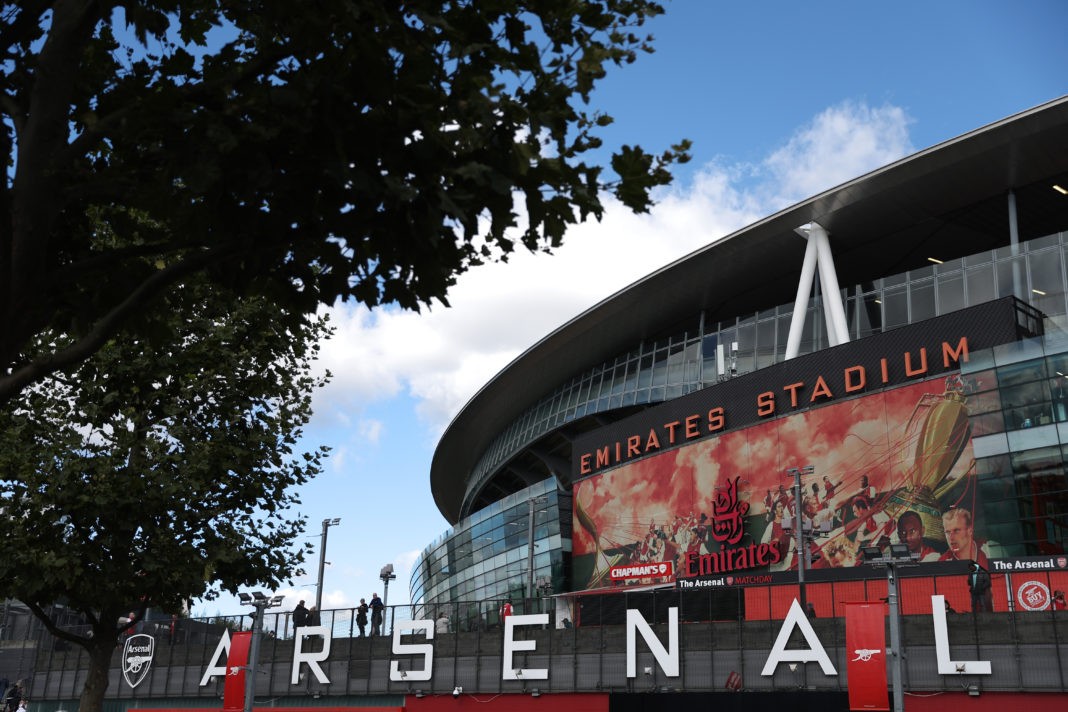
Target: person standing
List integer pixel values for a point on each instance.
(13, 697)
(506, 610)
(1059, 603)
(361, 617)
(979, 587)
(441, 625)
(300, 616)
(376, 615)
(313, 616)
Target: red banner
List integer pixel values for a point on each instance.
(866, 655)
(236, 661)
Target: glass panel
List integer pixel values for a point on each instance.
(765, 349)
(1007, 271)
(871, 315)
(923, 303)
(895, 308)
(922, 272)
(950, 294)
(988, 402)
(1047, 281)
(981, 284)
(949, 267)
(986, 424)
(1042, 242)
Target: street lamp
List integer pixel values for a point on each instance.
(899, 556)
(261, 603)
(799, 533)
(327, 523)
(387, 575)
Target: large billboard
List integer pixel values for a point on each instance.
(891, 467)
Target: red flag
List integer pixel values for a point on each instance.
(866, 655)
(236, 661)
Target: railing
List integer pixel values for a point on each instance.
(724, 639)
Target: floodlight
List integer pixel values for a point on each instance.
(900, 551)
(244, 598)
(871, 553)
(258, 595)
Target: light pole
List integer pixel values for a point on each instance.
(799, 534)
(387, 575)
(899, 556)
(261, 603)
(327, 523)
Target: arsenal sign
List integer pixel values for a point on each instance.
(137, 658)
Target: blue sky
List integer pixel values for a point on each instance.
(781, 99)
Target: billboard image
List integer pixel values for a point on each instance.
(891, 467)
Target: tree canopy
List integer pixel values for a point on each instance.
(354, 149)
(159, 472)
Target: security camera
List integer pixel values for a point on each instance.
(456, 691)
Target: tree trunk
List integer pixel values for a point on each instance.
(96, 682)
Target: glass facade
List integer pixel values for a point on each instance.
(706, 352)
(485, 557)
(1019, 414)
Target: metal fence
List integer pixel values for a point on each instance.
(724, 639)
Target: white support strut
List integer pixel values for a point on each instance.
(804, 288)
(831, 292)
(817, 254)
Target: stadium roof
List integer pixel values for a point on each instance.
(946, 201)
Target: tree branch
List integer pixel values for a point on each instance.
(106, 327)
(56, 631)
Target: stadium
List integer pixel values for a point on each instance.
(690, 491)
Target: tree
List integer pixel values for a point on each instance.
(159, 470)
(353, 149)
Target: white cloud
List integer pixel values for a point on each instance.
(370, 430)
(839, 144)
(338, 457)
(443, 356)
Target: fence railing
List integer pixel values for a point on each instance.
(724, 639)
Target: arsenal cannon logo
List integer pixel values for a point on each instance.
(137, 658)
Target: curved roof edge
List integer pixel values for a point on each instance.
(754, 267)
